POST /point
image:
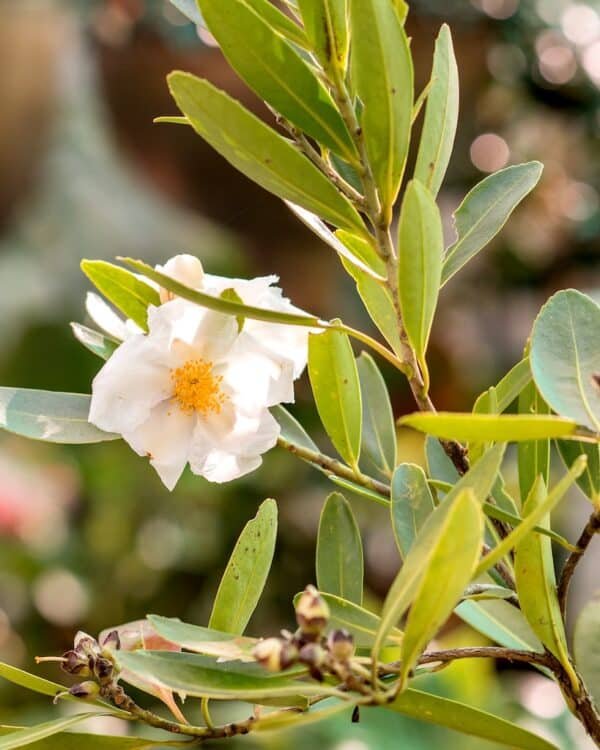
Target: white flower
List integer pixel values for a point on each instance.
(195, 389)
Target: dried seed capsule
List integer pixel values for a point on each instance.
(275, 654)
(312, 612)
(85, 690)
(341, 645)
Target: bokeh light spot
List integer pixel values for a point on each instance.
(489, 152)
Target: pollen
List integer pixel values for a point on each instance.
(196, 389)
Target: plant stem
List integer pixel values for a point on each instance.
(333, 466)
(591, 528)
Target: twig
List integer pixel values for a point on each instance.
(333, 466)
(591, 528)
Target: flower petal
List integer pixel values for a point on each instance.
(165, 437)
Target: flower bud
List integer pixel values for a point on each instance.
(85, 690)
(314, 657)
(112, 641)
(103, 668)
(275, 654)
(340, 644)
(312, 612)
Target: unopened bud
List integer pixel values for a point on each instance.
(85, 690)
(103, 668)
(312, 612)
(314, 657)
(341, 645)
(275, 654)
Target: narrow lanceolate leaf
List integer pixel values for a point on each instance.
(536, 584)
(482, 476)
(439, 466)
(201, 640)
(565, 356)
(379, 303)
(326, 24)
(127, 293)
(221, 304)
(360, 253)
(412, 504)
(501, 623)
(292, 430)
(97, 343)
(441, 116)
(533, 455)
(498, 398)
(78, 741)
(585, 644)
(49, 416)
(279, 22)
(488, 427)
(382, 77)
(334, 380)
(28, 736)
(462, 718)
(362, 623)
(276, 72)
(589, 481)
(246, 572)
(535, 515)
(259, 152)
(339, 551)
(486, 209)
(420, 249)
(379, 431)
(449, 570)
(201, 676)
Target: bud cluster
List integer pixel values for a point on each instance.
(310, 645)
(89, 658)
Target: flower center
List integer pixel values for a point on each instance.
(196, 388)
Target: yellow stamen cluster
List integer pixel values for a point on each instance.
(196, 388)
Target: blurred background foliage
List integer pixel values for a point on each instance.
(89, 537)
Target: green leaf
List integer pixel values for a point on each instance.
(246, 572)
(259, 152)
(276, 72)
(50, 416)
(489, 427)
(219, 304)
(485, 591)
(589, 480)
(466, 719)
(412, 504)
(292, 430)
(98, 343)
(200, 676)
(482, 476)
(514, 519)
(420, 249)
(279, 22)
(378, 454)
(450, 565)
(439, 465)
(379, 303)
(585, 645)
(204, 640)
(536, 582)
(127, 293)
(358, 621)
(362, 250)
(534, 455)
(321, 711)
(500, 622)
(535, 515)
(79, 741)
(486, 209)
(498, 398)
(28, 736)
(382, 76)
(357, 489)
(189, 10)
(45, 687)
(339, 551)
(565, 356)
(441, 116)
(326, 25)
(334, 380)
